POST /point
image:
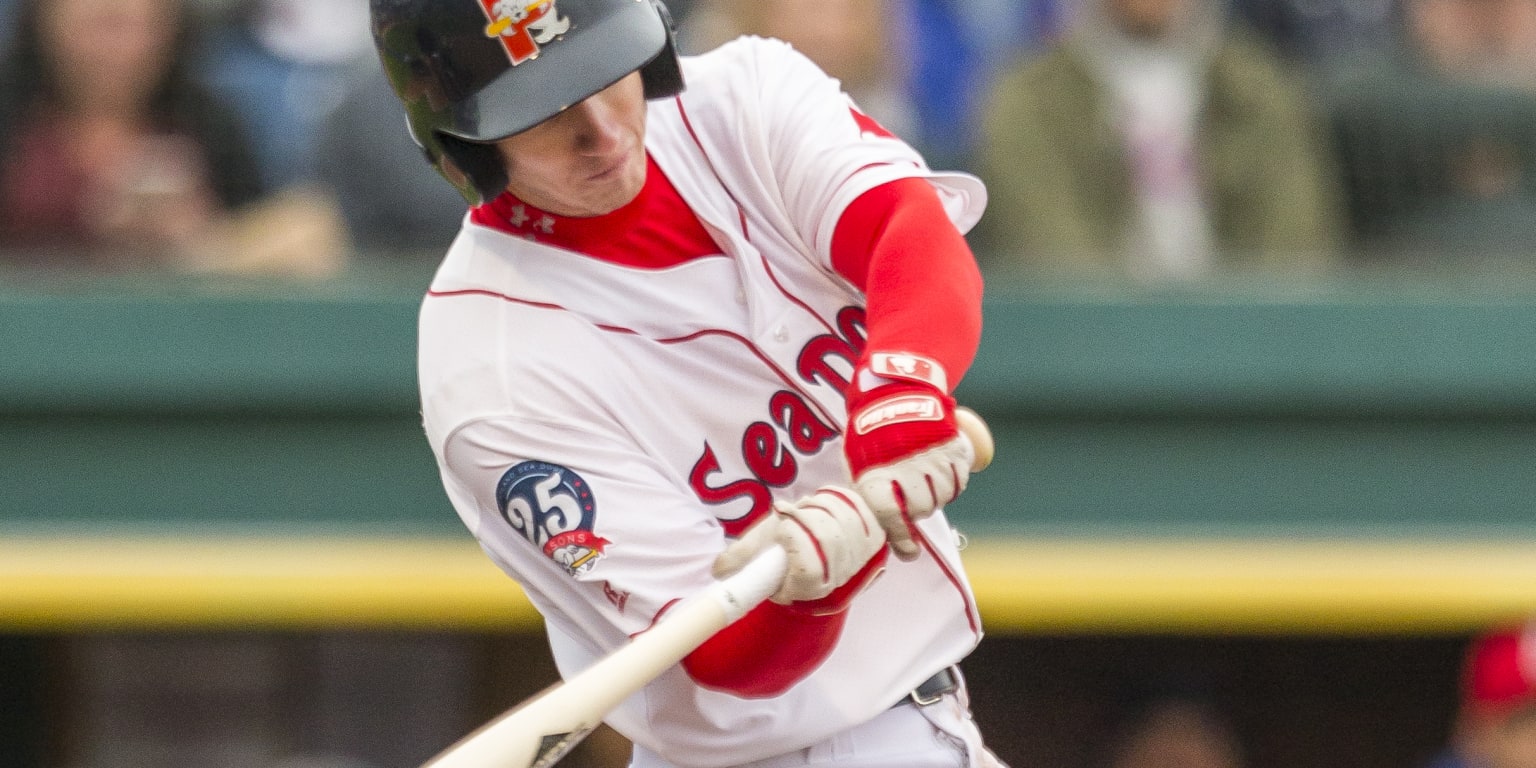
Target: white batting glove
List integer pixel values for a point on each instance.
(909, 490)
(831, 539)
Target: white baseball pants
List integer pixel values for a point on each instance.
(940, 735)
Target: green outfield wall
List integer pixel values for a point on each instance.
(1397, 417)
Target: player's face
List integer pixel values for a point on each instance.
(586, 161)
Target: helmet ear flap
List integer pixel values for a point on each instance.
(480, 163)
(662, 76)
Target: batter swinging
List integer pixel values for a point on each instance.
(680, 325)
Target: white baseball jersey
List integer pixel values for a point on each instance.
(602, 428)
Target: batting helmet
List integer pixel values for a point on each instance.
(471, 72)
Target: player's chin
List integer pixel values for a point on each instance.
(609, 194)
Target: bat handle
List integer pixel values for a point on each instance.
(744, 590)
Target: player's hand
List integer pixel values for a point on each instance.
(834, 544)
(905, 452)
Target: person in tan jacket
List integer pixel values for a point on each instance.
(1156, 141)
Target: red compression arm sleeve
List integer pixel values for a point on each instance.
(767, 651)
(923, 287)
(775, 646)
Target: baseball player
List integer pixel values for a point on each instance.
(682, 324)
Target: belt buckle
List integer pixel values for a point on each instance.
(923, 701)
(947, 684)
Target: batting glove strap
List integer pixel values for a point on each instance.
(906, 455)
(898, 406)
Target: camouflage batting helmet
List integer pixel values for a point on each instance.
(471, 72)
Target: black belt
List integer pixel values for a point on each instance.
(943, 683)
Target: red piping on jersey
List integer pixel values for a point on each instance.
(741, 214)
(525, 302)
(746, 342)
(882, 224)
(741, 210)
(970, 614)
(659, 613)
(774, 278)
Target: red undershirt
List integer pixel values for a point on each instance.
(891, 242)
(655, 230)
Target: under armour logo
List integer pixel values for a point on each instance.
(520, 216)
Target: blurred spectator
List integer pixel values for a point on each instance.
(284, 64)
(919, 67)
(1438, 138)
(392, 201)
(855, 41)
(1477, 41)
(1157, 141)
(1175, 732)
(111, 156)
(955, 51)
(1323, 34)
(1496, 719)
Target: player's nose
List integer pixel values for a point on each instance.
(596, 127)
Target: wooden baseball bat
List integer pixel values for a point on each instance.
(538, 732)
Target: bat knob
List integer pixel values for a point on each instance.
(980, 436)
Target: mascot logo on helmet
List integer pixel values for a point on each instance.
(523, 25)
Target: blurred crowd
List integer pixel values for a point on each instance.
(1149, 140)
(1155, 140)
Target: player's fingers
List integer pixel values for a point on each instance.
(901, 535)
(807, 577)
(919, 484)
(829, 537)
(920, 494)
(886, 499)
(941, 486)
(947, 474)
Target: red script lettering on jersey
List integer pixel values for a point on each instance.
(792, 420)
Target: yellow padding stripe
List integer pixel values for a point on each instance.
(1056, 585)
(1251, 586)
(54, 584)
